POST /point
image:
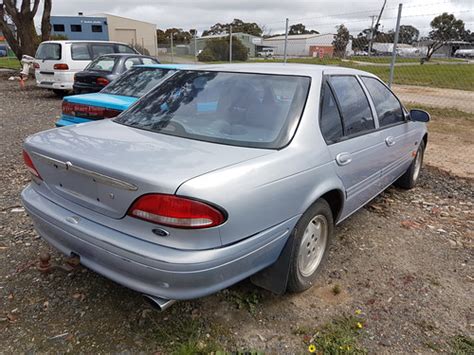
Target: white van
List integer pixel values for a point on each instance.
(56, 62)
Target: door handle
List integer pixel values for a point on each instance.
(390, 141)
(343, 158)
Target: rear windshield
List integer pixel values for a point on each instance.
(49, 51)
(137, 81)
(102, 64)
(249, 110)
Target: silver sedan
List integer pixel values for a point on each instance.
(221, 173)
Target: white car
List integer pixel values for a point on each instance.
(56, 62)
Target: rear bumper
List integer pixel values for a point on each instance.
(147, 267)
(69, 121)
(59, 80)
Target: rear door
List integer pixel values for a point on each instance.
(350, 130)
(47, 55)
(400, 141)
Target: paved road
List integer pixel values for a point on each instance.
(437, 97)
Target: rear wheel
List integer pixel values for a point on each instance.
(313, 235)
(409, 179)
(60, 93)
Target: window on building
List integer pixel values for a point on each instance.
(330, 121)
(388, 108)
(76, 28)
(354, 105)
(59, 28)
(96, 28)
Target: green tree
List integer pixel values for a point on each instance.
(179, 36)
(26, 40)
(238, 25)
(341, 39)
(218, 50)
(445, 28)
(300, 29)
(408, 34)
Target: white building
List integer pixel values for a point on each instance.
(302, 45)
(134, 32)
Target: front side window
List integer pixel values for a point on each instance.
(48, 51)
(355, 109)
(80, 51)
(137, 82)
(124, 49)
(102, 64)
(330, 122)
(250, 110)
(76, 28)
(388, 108)
(101, 49)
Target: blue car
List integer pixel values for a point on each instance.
(115, 97)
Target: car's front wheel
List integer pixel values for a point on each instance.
(313, 235)
(410, 177)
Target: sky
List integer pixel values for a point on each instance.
(321, 15)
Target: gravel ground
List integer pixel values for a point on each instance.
(404, 262)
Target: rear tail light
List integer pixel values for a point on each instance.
(61, 66)
(29, 164)
(36, 65)
(86, 111)
(175, 211)
(102, 81)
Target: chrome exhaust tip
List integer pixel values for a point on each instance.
(159, 303)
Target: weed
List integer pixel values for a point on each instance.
(462, 345)
(336, 289)
(248, 301)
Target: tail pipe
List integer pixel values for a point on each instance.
(159, 303)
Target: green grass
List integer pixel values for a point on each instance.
(339, 337)
(462, 345)
(448, 76)
(10, 63)
(388, 59)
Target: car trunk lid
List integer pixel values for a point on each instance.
(105, 166)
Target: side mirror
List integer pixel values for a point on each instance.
(419, 115)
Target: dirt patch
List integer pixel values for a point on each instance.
(404, 261)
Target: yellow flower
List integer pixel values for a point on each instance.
(359, 325)
(311, 348)
(358, 311)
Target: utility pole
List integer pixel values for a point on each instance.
(286, 41)
(371, 34)
(195, 47)
(230, 43)
(172, 56)
(395, 42)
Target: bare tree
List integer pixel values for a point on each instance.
(26, 40)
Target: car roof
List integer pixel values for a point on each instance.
(282, 69)
(84, 41)
(168, 66)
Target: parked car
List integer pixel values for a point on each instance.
(106, 68)
(222, 173)
(265, 53)
(58, 61)
(115, 97)
(3, 50)
(464, 53)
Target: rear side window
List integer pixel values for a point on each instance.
(356, 114)
(148, 61)
(388, 108)
(130, 62)
(137, 81)
(102, 64)
(330, 122)
(49, 51)
(101, 49)
(80, 51)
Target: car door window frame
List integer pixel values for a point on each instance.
(404, 111)
(338, 104)
(321, 101)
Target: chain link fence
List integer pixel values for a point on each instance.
(424, 64)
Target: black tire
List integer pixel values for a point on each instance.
(297, 282)
(410, 177)
(60, 93)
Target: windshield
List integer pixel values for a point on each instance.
(137, 81)
(250, 110)
(102, 64)
(49, 51)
